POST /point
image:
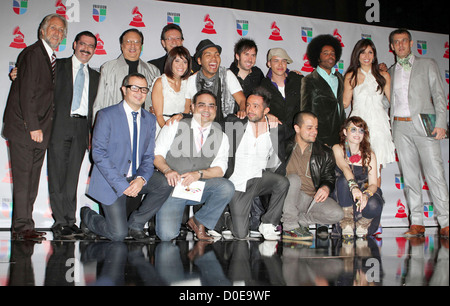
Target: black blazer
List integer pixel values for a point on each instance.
(30, 101)
(64, 93)
(317, 97)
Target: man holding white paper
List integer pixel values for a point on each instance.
(187, 151)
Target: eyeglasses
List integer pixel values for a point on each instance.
(354, 130)
(87, 45)
(173, 38)
(136, 88)
(129, 42)
(204, 105)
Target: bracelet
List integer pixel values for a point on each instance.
(352, 184)
(368, 192)
(167, 170)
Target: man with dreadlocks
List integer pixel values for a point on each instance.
(322, 90)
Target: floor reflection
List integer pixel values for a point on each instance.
(388, 261)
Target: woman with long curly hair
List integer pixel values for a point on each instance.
(364, 88)
(357, 190)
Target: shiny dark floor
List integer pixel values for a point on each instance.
(388, 260)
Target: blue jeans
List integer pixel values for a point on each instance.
(114, 225)
(217, 194)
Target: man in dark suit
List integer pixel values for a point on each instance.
(171, 36)
(75, 90)
(322, 90)
(123, 144)
(28, 121)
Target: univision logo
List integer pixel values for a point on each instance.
(422, 47)
(20, 6)
(242, 27)
(99, 12)
(173, 18)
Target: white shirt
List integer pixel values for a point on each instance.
(232, 83)
(83, 109)
(167, 135)
(251, 157)
(49, 50)
(401, 87)
(128, 111)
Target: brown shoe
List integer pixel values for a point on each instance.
(415, 231)
(444, 232)
(199, 229)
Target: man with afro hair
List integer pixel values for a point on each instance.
(322, 89)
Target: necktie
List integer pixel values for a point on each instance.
(200, 138)
(78, 88)
(405, 62)
(53, 64)
(133, 164)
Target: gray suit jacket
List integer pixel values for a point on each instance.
(112, 74)
(425, 95)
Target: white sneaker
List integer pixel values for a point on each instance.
(269, 231)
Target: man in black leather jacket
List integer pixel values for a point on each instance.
(311, 173)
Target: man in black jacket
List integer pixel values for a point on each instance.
(311, 173)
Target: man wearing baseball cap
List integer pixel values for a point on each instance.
(284, 86)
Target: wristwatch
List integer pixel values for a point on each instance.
(201, 173)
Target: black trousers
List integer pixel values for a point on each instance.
(65, 156)
(26, 164)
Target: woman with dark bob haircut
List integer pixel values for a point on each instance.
(168, 91)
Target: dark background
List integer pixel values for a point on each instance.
(423, 15)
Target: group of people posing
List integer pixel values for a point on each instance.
(274, 154)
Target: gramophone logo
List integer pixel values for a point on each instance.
(446, 50)
(137, 18)
(209, 25)
(401, 210)
(422, 47)
(173, 18)
(307, 34)
(99, 12)
(100, 50)
(276, 32)
(242, 27)
(18, 40)
(20, 6)
(307, 66)
(61, 8)
(338, 36)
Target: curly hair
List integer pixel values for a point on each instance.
(364, 146)
(317, 43)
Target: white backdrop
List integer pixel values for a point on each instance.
(109, 18)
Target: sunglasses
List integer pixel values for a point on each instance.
(355, 129)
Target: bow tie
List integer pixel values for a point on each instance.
(405, 62)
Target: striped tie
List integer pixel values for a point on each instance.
(53, 64)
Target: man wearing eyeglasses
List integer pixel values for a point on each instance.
(113, 72)
(123, 146)
(171, 36)
(187, 151)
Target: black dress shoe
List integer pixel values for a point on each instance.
(29, 234)
(139, 235)
(61, 231)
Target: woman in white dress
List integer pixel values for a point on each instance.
(364, 88)
(168, 91)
